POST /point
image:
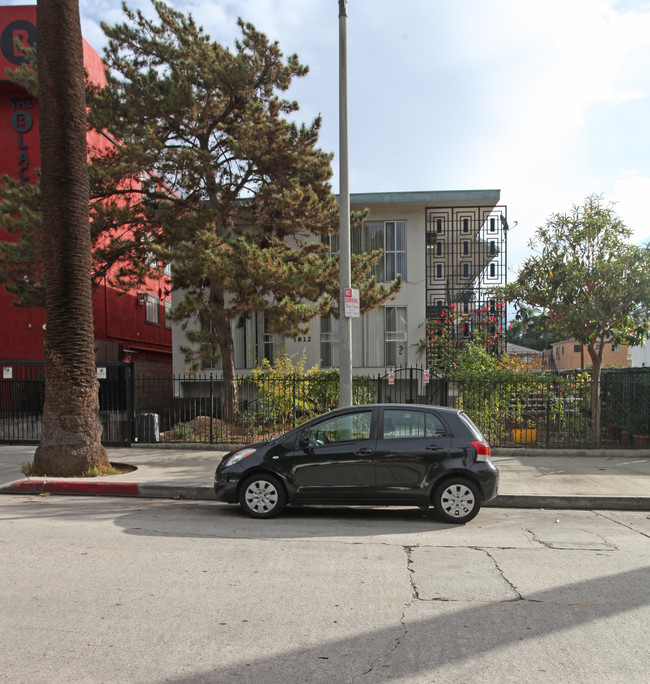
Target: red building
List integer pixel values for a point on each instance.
(126, 325)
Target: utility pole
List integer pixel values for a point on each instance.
(345, 268)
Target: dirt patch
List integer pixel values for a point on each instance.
(123, 467)
(206, 430)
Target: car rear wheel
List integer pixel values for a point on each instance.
(457, 501)
(262, 496)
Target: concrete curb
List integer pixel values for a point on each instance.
(202, 492)
(151, 490)
(571, 501)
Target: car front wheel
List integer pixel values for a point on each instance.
(262, 496)
(457, 501)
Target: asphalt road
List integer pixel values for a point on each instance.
(138, 590)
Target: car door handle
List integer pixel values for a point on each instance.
(364, 452)
(433, 447)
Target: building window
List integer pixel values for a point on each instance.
(465, 247)
(616, 348)
(389, 236)
(438, 225)
(493, 247)
(493, 270)
(152, 310)
(465, 225)
(577, 348)
(439, 272)
(329, 343)
(168, 310)
(439, 248)
(465, 270)
(493, 225)
(379, 339)
(395, 335)
(251, 343)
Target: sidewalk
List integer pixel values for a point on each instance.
(529, 478)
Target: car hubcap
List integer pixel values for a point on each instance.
(458, 501)
(261, 496)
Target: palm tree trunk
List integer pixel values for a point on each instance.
(71, 427)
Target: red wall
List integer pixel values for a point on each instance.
(118, 318)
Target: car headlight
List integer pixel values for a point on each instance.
(238, 455)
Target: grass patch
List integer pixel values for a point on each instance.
(99, 471)
(27, 469)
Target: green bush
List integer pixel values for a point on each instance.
(182, 432)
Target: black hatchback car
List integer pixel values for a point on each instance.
(375, 455)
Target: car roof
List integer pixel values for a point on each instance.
(407, 407)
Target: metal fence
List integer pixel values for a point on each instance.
(547, 410)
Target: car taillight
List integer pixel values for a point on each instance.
(482, 451)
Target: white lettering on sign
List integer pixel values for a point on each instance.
(352, 303)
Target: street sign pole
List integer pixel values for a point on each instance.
(345, 267)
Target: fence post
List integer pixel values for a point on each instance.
(548, 422)
(129, 376)
(293, 411)
(379, 397)
(211, 409)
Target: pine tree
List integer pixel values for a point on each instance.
(237, 194)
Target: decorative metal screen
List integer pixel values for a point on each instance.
(466, 258)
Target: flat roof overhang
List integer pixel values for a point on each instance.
(456, 197)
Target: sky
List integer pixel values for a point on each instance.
(546, 100)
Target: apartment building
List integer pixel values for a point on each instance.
(449, 247)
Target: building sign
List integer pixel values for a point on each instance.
(352, 302)
(101, 372)
(7, 372)
(17, 24)
(426, 376)
(22, 122)
(19, 111)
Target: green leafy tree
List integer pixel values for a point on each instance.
(238, 191)
(590, 281)
(70, 444)
(531, 328)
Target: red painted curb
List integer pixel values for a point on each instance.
(75, 487)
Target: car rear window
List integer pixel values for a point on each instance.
(472, 427)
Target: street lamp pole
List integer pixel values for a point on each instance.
(345, 268)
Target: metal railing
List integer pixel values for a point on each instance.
(546, 410)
